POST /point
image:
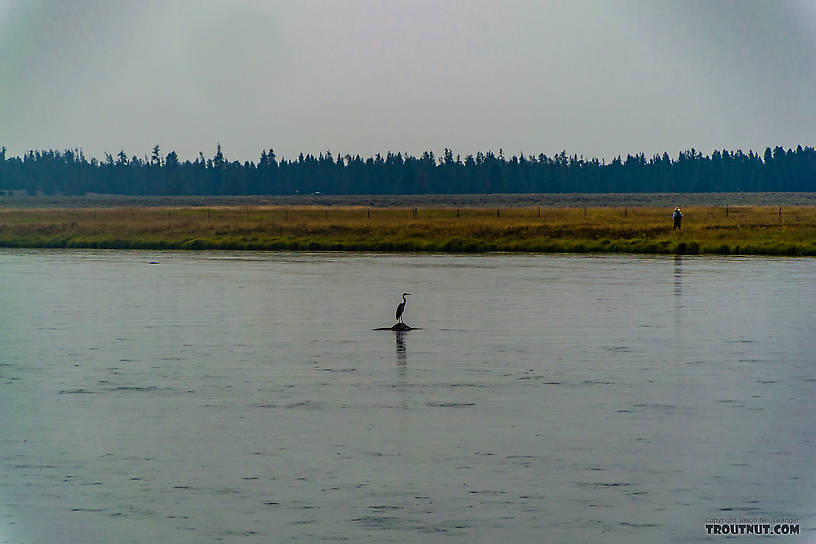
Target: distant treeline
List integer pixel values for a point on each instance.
(70, 172)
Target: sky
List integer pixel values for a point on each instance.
(594, 78)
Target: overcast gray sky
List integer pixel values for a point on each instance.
(597, 78)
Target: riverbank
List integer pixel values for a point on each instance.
(758, 230)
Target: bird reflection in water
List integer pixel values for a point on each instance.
(402, 357)
(402, 369)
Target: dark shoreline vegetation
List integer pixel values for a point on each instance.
(69, 172)
(724, 230)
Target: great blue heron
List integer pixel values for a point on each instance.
(401, 306)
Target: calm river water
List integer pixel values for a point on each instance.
(245, 397)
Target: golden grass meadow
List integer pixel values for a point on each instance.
(747, 230)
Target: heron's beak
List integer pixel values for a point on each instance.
(407, 294)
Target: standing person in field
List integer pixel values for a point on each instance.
(678, 218)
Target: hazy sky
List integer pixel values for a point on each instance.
(597, 78)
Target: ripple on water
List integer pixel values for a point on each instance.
(603, 485)
(307, 404)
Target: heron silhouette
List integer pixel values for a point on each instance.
(401, 307)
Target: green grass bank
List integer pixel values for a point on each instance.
(743, 230)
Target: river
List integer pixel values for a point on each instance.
(246, 397)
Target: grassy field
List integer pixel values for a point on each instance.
(547, 200)
(762, 230)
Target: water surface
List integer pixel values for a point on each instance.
(245, 397)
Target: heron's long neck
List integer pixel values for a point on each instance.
(403, 299)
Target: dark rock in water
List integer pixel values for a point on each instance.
(400, 327)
